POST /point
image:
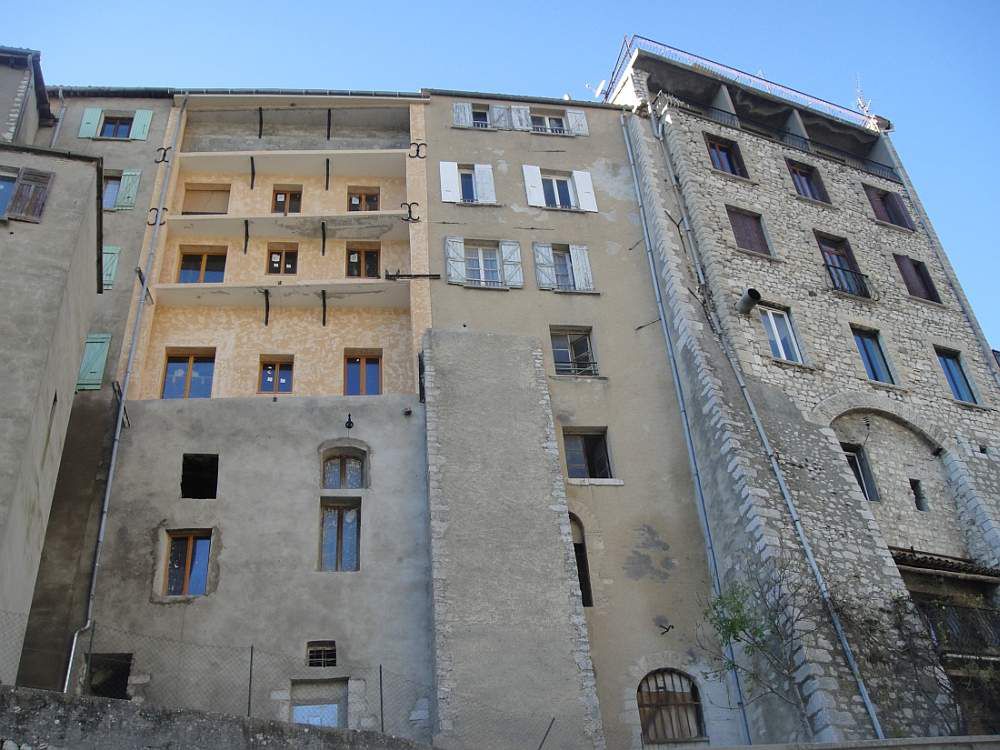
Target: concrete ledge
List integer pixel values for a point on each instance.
(39, 718)
(980, 742)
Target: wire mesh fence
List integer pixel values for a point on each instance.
(268, 682)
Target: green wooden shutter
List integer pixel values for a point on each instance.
(140, 124)
(128, 189)
(110, 262)
(90, 122)
(95, 355)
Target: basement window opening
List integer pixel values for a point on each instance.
(321, 654)
(108, 675)
(200, 476)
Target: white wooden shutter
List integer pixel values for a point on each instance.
(580, 260)
(89, 123)
(451, 189)
(500, 116)
(140, 124)
(462, 114)
(485, 192)
(454, 259)
(545, 268)
(109, 262)
(533, 185)
(584, 191)
(577, 121)
(520, 115)
(128, 189)
(510, 251)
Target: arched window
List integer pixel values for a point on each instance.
(582, 566)
(344, 470)
(669, 707)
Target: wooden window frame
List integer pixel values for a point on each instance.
(341, 506)
(735, 155)
(277, 360)
(288, 191)
(363, 252)
(104, 189)
(191, 355)
(651, 707)
(364, 356)
(891, 205)
(588, 433)
(812, 176)
(191, 535)
(204, 253)
(42, 182)
(118, 120)
(363, 193)
(481, 280)
(284, 248)
(342, 458)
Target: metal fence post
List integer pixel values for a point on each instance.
(381, 706)
(250, 683)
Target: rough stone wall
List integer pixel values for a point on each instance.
(511, 646)
(14, 91)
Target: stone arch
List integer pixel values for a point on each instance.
(846, 402)
(349, 447)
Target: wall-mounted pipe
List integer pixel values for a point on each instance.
(748, 301)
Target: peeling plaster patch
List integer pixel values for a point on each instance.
(614, 179)
(649, 538)
(524, 209)
(502, 166)
(613, 249)
(639, 564)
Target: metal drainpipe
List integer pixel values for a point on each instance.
(130, 366)
(685, 421)
(769, 451)
(59, 120)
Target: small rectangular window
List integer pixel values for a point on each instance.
(725, 155)
(780, 335)
(112, 184)
(187, 562)
(116, 127)
(362, 261)
(559, 191)
(205, 199)
(872, 356)
(199, 475)
(321, 654)
(467, 179)
(587, 455)
(748, 229)
(286, 200)
(202, 266)
(482, 266)
(573, 353)
(188, 376)
(480, 118)
(275, 375)
(888, 207)
(807, 181)
(857, 459)
(282, 258)
(951, 363)
(340, 536)
(548, 124)
(916, 277)
(919, 500)
(362, 374)
(362, 199)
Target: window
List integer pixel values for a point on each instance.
(187, 562)
(807, 181)
(919, 500)
(888, 207)
(917, 278)
(725, 156)
(563, 265)
(467, 183)
(780, 335)
(275, 375)
(568, 191)
(286, 200)
(202, 266)
(345, 471)
(23, 193)
(112, 184)
(282, 258)
(362, 374)
(482, 266)
(480, 118)
(322, 703)
(199, 475)
(872, 356)
(467, 177)
(321, 654)
(840, 265)
(558, 191)
(582, 566)
(362, 199)
(951, 363)
(340, 536)
(362, 261)
(573, 353)
(116, 127)
(189, 376)
(95, 356)
(200, 199)
(120, 189)
(857, 459)
(548, 124)
(748, 229)
(669, 707)
(587, 455)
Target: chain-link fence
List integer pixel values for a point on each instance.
(267, 683)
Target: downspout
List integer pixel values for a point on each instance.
(119, 422)
(59, 120)
(766, 445)
(685, 422)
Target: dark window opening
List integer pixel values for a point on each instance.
(726, 156)
(286, 201)
(480, 118)
(872, 356)
(282, 258)
(582, 566)
(916, 277)
(573, 353)
(321, 654)
(109, 675)
(857, 459)
(362, 199)
(202, 267)
(841, 266)
(918, 495)
(669, 707)
(807, 181)
(951, 363)
(587, 456)
(200, 475)
(362, 262)
(889, 207)
(748, 229)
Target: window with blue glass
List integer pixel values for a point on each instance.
(340, 537)
(187, 563)
(188, 376)
(362, 375)
(8, 182)
(951, 363)
(206, 266)
(872, 356)
(275, 375)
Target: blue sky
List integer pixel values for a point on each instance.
(931, 67)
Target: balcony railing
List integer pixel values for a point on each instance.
(480, 124)
(582, 366)
(955, 629)
(849, 281)
(547, 129)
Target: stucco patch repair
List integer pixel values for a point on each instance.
(653, 564)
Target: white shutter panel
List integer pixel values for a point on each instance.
(462, 114)
(584, 191)
(580, 259)
(451, 190)
(485, 192)
(500, 116)
(520, 115)
(533, 185)
(511, 253)
(577, 121)
(454, 259)
(545, 269)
